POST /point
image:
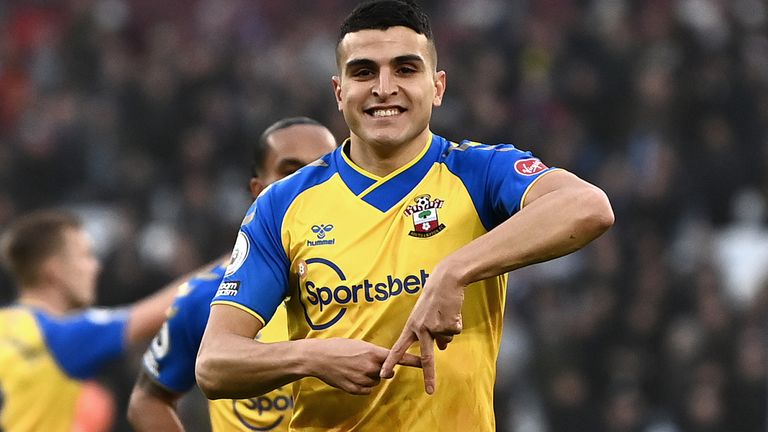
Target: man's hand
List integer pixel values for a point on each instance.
(352, 365)
(436, 317)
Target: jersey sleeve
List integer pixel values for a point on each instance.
(81, 344)
(507, 175)
(170, 357)
(510, 174)
(256, 278)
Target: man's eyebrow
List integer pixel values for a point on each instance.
(360, 62)
(364, 62)
(408, 58)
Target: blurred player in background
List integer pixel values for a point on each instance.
(169, 363)
(397, 237)
(50, 349)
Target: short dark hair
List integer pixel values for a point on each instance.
(260, 150)
(383, 14)
(33, 239)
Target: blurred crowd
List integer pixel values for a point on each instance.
(139, 115)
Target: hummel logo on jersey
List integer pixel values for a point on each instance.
(320, 231)
(424, 213)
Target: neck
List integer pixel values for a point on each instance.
(44, 297)
(382, 159)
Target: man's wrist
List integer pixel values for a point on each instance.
(456, 272)
(306, 359)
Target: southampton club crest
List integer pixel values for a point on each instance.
(425, 219)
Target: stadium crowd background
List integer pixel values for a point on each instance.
(135, 113)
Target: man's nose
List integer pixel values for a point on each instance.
(385, 85)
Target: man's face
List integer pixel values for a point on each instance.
(387, 84)
(290, 149)
(76, 268)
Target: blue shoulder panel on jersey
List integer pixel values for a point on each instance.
(263, 273)
(81, 344)
(391, 192)
(498, 192)
(174, 365)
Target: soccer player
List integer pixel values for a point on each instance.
(398, 236)
(51, 343)
(169, 363)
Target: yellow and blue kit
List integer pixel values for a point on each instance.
(170, 359)
(349, 252)
(46, 362)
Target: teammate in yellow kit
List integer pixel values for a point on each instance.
(168, 365)
(52, 344)
(399, 236)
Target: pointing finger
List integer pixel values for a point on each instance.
(410, 360)
(396, 354)
(428, 361)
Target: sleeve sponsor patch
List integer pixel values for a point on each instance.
(529, 167)
(239, 254)
(229, 289)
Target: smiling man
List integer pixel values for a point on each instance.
(424, 232)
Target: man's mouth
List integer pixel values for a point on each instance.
(384, 112)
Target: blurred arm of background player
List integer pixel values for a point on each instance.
(51, 257)
(148, 314)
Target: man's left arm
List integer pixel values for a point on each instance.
(561, 214)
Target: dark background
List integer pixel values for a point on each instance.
(139, 115)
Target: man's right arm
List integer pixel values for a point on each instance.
(231, 364)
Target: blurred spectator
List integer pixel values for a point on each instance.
(741, 248)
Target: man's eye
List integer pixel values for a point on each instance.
(407, 70)
(362, 73)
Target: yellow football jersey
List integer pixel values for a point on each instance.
(45, 362)
(351, 252)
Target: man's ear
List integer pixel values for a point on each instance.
(336, 82)
(256, 186)
(51, 269)
(439, 88)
